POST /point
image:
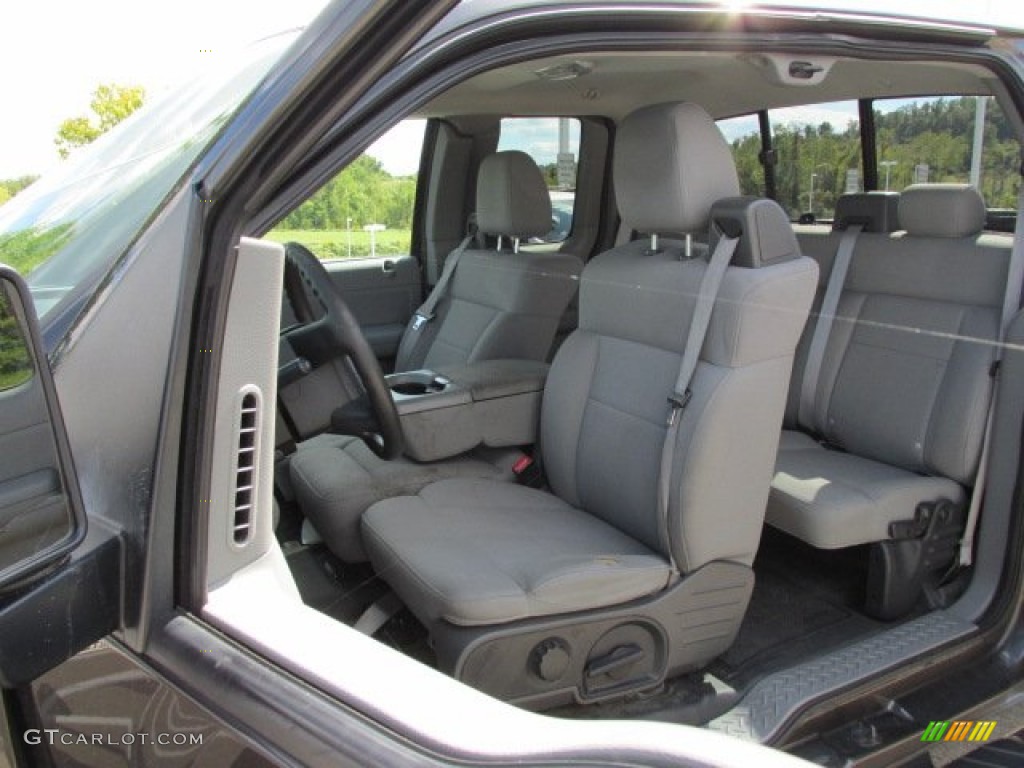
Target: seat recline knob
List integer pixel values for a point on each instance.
(549, 659)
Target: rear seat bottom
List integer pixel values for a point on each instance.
(832, 499)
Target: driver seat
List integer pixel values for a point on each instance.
(587, 592)
(499, 304)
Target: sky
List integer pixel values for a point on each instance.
(57, 51)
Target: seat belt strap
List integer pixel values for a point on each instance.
(1011, 305)
(823, 328)
(701, 320)
(413, 335)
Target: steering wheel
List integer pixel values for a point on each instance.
(333, 332)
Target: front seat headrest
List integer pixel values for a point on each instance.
(671, 165)
(511, 196)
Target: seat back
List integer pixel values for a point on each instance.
(905, 378)
(605, 405)
(875, 212)
(501, 303)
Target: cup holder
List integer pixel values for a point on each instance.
(417, 383)
(411, 388)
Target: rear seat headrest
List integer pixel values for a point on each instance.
(765, 232)
(671, 164)
(875, 211)
(942, 210)
(512, 197)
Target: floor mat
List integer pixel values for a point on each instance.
(805, 602)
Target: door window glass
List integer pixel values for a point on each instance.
(554, 144)
(934, 139)
(818, 157)
(744, 136)
(366, 210)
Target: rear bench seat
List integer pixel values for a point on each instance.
(898, 412)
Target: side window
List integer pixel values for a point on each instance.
(818, 157)
(934, 139)
(554, 144)
(366, 210)
(744, 136)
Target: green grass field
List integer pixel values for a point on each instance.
(334, 243)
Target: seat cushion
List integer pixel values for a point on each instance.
(479, 552)
(832, 499)
(336, 478)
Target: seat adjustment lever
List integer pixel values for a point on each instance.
(616, 660)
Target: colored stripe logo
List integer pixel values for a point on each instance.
(959, 730)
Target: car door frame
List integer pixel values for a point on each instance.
(180, 647)
(950, 654)
(341, 46)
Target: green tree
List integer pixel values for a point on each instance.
(10, 187)
(111, 103)
(15, 363)
(934, 133)
(365, 193)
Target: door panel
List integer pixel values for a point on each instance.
(382, 293)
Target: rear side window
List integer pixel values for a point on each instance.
(366, 210)
(818, 157)
(744, 136)
(554, 144)
(964, 139)
(816, 151)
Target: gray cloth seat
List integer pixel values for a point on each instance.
(833, 499)
(499, 305)
(471, 552)
(336, 478)
(497, 552)
(503, 303)
(904, 388)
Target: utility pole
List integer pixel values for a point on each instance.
(888, 167)
(979, 138)
(566, 160)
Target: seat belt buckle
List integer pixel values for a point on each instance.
(419, 320)
(527, 472)
(678, 402)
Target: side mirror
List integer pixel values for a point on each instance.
(41, 514)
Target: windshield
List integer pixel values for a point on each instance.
(66, 231)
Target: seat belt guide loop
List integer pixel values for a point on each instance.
(678, 402)
(421, 319)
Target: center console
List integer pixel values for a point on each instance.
(453, 410)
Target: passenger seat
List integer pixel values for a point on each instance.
(506, 302)
(900, 404)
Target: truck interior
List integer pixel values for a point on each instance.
(683, 422)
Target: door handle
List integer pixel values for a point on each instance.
(389, 268)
